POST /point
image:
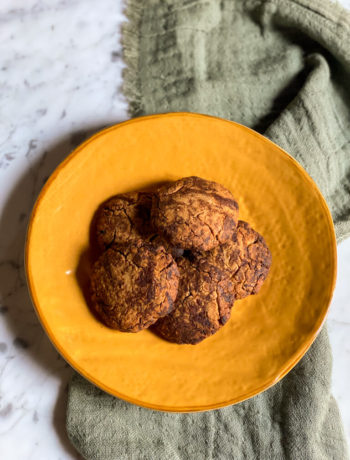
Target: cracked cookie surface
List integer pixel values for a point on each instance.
(157, 240)
(194, 213)
(202, 307)
(123, 219)
(134, 285)
(246, 259)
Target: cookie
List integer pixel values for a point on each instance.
(194, 213)
(158, 240)
(133, 285)
(202, 307)
(123, 219)
(246, 260)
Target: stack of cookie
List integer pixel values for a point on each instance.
(176, 259)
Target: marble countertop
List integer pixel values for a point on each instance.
(60, 79)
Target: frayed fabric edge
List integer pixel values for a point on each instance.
(131, 44)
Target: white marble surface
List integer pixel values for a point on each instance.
(60, 76)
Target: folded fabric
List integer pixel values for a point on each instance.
(281, 67)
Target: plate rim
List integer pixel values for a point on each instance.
(298, 355)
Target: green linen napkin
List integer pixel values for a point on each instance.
(281, 67)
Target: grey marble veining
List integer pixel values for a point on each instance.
(60, 77)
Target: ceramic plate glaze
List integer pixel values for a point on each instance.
(267, 333)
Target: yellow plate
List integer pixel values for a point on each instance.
(266, 335)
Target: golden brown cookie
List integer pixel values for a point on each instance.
(134, 285)
(246, 259)
(126, 218)
(202, 307)
(123, 219)
(194, 213)
(158, 240)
